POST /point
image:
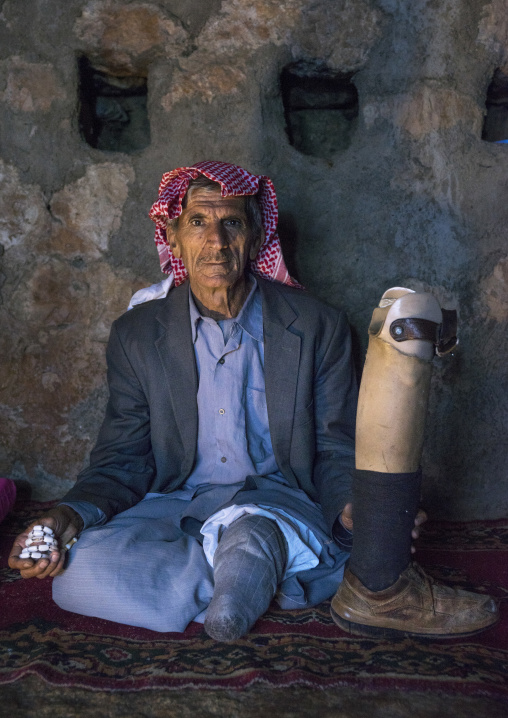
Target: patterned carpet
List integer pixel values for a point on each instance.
(285, 648)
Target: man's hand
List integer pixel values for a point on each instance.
(66, 524)
(346, 518)
(420, 518)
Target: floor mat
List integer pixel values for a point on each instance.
(285, 648)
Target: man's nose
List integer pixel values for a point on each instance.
(217, 235)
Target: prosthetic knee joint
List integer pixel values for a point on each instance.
(406, 330)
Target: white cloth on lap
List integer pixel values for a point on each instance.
(303, 547)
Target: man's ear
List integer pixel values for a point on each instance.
(173, 243)
(256, 245)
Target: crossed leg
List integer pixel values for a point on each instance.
(139, 569)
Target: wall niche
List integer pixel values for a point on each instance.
(113, 114)
(320, 108)
(495, 125)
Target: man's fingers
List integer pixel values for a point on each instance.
(32, 568)
(346, 517)
(59, 567)
(24, 566)
(43, 567)
(48, 565)
(421, 517)
(67, 536)
(17, 548)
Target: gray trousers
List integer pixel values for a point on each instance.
(140, 569)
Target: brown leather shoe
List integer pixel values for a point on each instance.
(415, 605)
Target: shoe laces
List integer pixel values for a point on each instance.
(427, 580)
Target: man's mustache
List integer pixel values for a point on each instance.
(224, 256)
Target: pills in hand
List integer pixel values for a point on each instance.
(40, 543)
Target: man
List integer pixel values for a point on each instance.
(226, 453)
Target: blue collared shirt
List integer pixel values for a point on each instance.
(233, 433)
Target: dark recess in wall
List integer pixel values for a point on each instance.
(113, 113)
(320, 107)
(495, 126)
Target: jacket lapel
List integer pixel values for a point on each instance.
(282, 361)
(176, 353)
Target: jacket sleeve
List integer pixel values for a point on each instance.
(335, 397)
(122, 465)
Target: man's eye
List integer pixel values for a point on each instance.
(233, 223)
(196, 222)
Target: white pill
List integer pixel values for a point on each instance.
(24, 554)
(28, 542)
(38, 528)
(43, 547)
(36, 535)
(36, 554)
(47, 530)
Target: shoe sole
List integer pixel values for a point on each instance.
(362, 629)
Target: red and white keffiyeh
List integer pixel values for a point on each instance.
(234, 182)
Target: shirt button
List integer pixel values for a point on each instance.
(223, 459)
(222, 411)
(221, 360)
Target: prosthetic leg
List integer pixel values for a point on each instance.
(382, 592)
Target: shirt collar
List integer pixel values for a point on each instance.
(250, 317)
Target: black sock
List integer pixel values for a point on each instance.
(384, 510)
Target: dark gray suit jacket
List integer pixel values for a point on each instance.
(148, 440)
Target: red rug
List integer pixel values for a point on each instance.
(285, 648)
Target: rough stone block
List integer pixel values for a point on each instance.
(92, 206)
(31, 86)
(23, 214)
(125, 38)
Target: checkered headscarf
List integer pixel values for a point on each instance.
(234, 182)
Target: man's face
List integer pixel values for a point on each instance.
(213, 239)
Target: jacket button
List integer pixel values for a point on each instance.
(223, 459)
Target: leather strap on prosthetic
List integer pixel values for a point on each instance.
(406, 330)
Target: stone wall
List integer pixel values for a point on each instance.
(408, 194)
